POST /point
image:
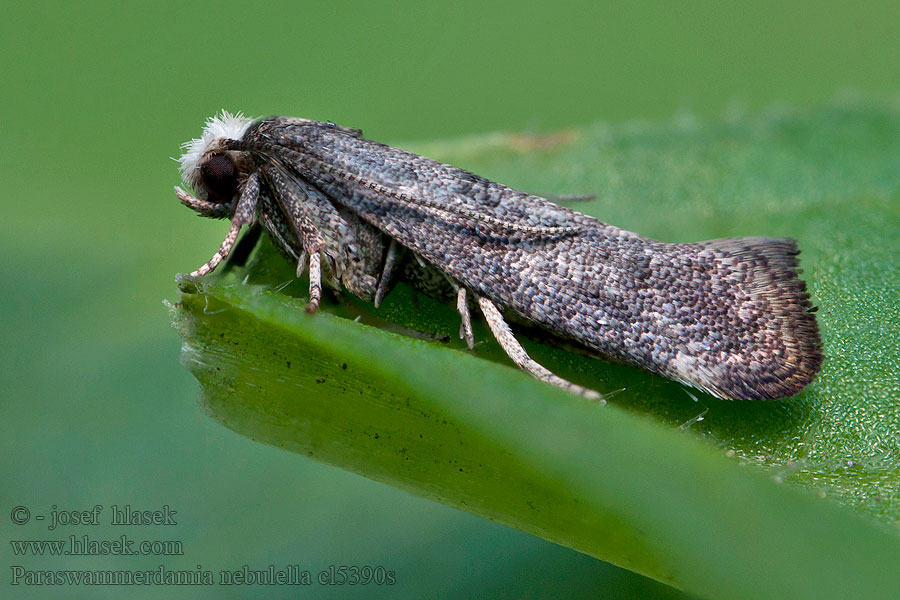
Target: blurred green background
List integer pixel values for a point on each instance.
(97, 96)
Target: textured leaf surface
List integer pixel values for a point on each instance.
(725, 499)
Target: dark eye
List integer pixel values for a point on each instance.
(220, 178)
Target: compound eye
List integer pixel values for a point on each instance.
(220, 178)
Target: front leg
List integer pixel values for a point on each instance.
(244, 214)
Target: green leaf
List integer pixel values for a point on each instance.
(792, 498)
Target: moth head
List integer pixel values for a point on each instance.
(207, 168)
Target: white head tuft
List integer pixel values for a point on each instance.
(223, 125)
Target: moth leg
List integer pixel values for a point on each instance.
(517, 353)
(315, 277)
(244, 214)
(301, 263)
(465, 326)
(315, 282)
(223, 251)
(390, 259)
(244, 247)
(310, 218)
(204, 207)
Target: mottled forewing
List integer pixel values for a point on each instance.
(730, 316)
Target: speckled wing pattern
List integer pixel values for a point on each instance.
(728, 316)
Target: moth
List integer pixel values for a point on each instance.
(728, 316)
